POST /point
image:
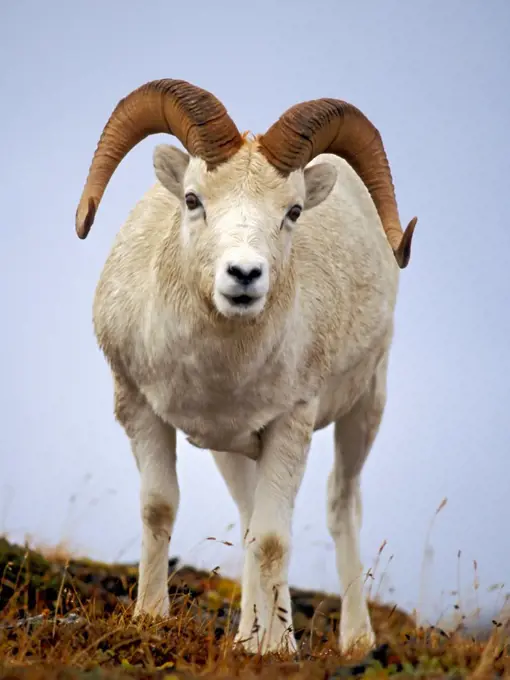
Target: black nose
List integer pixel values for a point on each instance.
(244, 276)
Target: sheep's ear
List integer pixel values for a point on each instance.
(170, 164)
(319, 180)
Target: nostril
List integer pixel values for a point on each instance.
(236, 272)
(244, 276)
(254, 273)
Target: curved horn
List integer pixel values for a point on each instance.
(198, 120)
(333, 126)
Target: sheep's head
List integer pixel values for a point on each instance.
(241, 199)
(237, 222)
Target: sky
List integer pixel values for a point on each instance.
(433, 77)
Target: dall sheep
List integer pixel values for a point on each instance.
(248, 301)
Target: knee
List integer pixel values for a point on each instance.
(271, 553)
(158, 516)
(335, 515)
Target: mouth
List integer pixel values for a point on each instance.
(241, 300)
(242, 303)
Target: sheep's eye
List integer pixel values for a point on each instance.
(192, 201)
(294, 213)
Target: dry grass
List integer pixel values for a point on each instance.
(84, 628)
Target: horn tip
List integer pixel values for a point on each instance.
(403, 252)
(85, 217)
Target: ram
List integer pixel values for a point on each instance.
(248, 301)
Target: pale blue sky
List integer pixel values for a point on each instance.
(434, 78)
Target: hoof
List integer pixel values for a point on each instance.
(362, 641)
(152, 610)
(258, 643)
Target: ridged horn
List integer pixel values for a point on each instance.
(333, 126)
(193, 115)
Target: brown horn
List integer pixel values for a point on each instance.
(333, 126)
(198, 120)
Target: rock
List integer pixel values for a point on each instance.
(301, 623)
(381, 657)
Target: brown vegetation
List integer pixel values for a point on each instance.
(70, 618)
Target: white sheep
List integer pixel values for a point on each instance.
(248, 301)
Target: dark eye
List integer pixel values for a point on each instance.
(294, 213)
(192, 201)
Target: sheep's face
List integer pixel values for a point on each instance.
(237, 222)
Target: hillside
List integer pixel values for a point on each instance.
(71, 618)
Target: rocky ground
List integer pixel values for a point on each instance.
(72, 618)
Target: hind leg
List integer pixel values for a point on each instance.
(354, 436)
(240, 476)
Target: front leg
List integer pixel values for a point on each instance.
(153, 443)
(280, 469)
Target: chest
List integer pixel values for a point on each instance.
(220, 392)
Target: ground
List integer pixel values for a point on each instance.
(71, 618)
